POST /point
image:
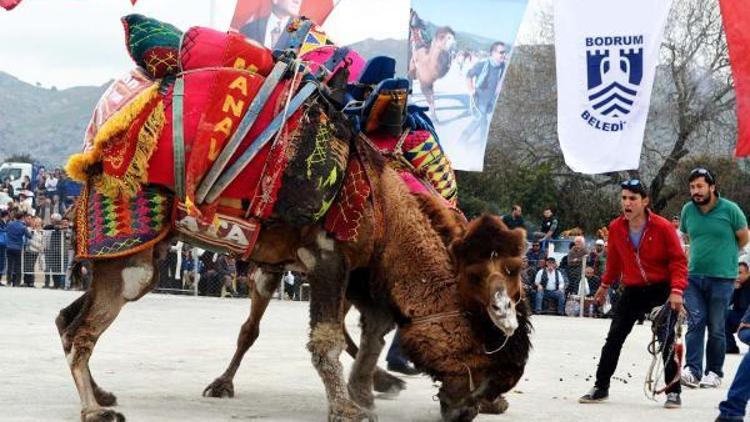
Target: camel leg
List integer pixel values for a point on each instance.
(375, 324)
(328, 276)
(429, 95)
(73, 314)
(383, 381)
(263, 288)
(115, 282)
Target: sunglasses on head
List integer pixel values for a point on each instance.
(636, 186)
(631, 183)
(700, 171)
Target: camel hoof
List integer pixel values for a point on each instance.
(496, 407)
(350, 412)
(220, 388)
(383, 382)
(102, 415)
(105, 398)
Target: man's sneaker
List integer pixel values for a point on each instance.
(710, 380)
(673, 401)
(688, 379)
(596, 395)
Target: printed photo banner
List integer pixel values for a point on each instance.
(458, 55)
(607, 52)
(265, 20)
(371, 28)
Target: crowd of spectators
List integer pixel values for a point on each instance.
(28, 248)
(553, 281)
(49, 194)
(189, 270)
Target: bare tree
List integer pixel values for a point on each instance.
(701, 96)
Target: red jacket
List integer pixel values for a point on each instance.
(661, 256)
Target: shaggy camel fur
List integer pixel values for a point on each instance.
(449, 224)
(412, 282)
(430, 63)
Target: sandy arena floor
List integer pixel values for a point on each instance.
(163, 350)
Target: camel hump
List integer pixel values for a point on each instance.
(448, 223)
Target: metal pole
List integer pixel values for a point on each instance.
(23, 265)
(195, 271)
(581, 286)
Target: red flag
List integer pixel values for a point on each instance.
(133, 2)
(247, 10)
(736, 14)
(9, 4)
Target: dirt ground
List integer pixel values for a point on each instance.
(163, 350)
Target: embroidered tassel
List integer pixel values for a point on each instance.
(137, 172)
(79, 164)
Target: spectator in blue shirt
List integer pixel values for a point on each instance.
(733, 408)
(17, 233)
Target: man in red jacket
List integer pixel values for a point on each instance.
(643, 251)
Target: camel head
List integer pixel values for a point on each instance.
(488, 260)
(445, 39)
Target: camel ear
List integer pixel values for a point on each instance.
(457, 249)
(510, 242)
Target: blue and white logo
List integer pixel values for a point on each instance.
(614, 71)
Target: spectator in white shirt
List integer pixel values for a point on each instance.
(550, 283)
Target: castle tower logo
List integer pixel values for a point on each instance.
(614, 73)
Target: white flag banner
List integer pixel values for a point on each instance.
(607, 52)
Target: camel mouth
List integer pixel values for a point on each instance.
(507, 323)
(502, 313)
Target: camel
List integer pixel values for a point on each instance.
(430, 63)
(397, 269)
(394, 236)
(451, 227)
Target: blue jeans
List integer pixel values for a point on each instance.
(554, 294)
(733, 408)
(2, 261)
(707, 301)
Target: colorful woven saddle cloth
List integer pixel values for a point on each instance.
(110, 227)
(131, 141)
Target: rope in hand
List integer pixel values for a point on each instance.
(662, 322)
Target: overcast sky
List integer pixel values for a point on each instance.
(80, 42)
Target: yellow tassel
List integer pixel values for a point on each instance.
(78, 164)
(137, 173)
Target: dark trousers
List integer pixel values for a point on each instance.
(734, 317)
(29, 260)
(14, 266)
(395, 356)
(633, 303)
